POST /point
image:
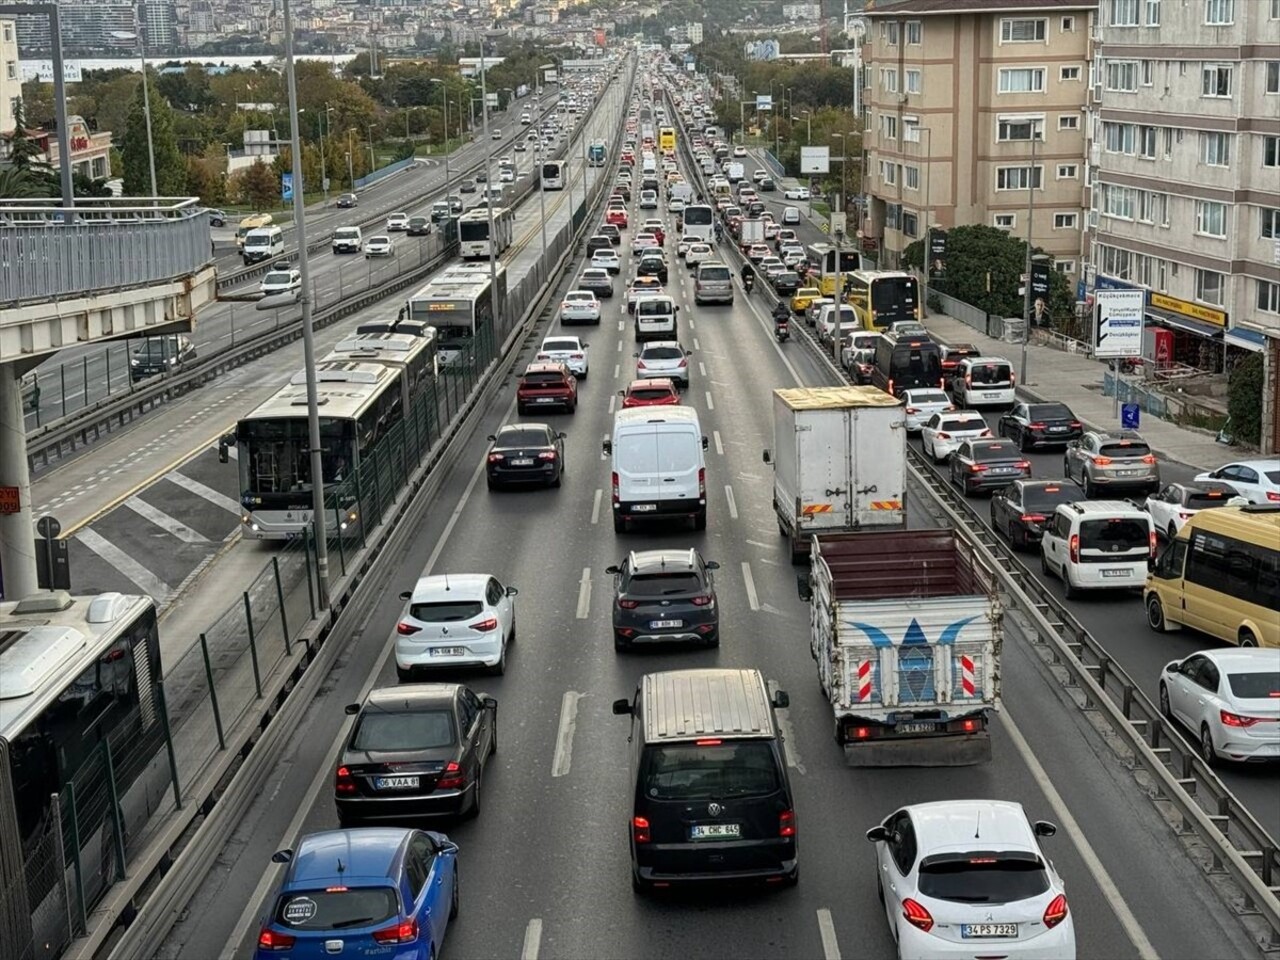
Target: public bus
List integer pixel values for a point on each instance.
(667, 139)
(474, 242)
(1221, 576)
(596, 153)
(882, 297)
(699, 223)
(553, 174)
(833, 265)
(81, 683)
(459, 302)
(416, 355)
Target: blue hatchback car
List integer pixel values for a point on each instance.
(385, 892)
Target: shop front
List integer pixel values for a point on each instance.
(1197, 333)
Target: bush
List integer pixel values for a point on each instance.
(1244, 399)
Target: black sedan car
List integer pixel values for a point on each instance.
(786, 283)
(467, 186)
(1034, 425)
(652, 265)
(348, 200)
(1020, 510)
(416, 750)
(525, 453)
(984, 465)
(482, 176)
(665, 596)
(160, 355)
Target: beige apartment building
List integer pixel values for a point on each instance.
(1185, 176)
(974, 112)
(10, 77)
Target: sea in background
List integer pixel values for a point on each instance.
(43, 69)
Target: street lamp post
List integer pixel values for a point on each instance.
(324, 149)
(372, 163)
(351, 175)
(928, 211)
(499, 308)
(136, 34)
(841, 233)
(444, 99)
(1031, 206)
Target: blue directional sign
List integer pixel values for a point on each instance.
(286, 187)
(1130, 416)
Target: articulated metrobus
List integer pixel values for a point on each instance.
(81, 678)
(882, 297)
(596, 154)
(667, 139)
(474, 242)
(459, 302)
(699, 223)
(553, 174)
(834, 264)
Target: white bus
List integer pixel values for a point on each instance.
(553, 174)
(458, 302)
(81, 680)
(699, 223)
(474, 242)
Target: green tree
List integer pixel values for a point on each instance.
(257, 186)
(1244, 399)
(171, 169)
(23, 150)
(19, 184)
(205, 180)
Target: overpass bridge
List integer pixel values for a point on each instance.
(109, 269)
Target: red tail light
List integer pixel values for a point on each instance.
(1076, 424)
(496, 458)
(1032, 518)
(702, 482)
(1013, 378)
(1102, 461)
(889, 388)
(545, 356)
(968, 382)
(547, 455)
(640, 830)
(683, 363)
(977, 467)
(484, 626)
(943, 436)
(270, 939)
(615, 487)
(1035, 426)
(701, 601)
(1073, 545)
(1148, 459)
(1023, 464)
(913, 410)
(453, 777)
(1235, 720)
(628, 604)
(343, 782)
(404, 932)
(916, 915)
(1273, 496)
(984, 433)
(787, 823)
(1056, 911)
(406, 629)
(1151, 542)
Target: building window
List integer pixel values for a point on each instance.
(1064, 266)
(1066, 221)
(913, 81)
(1271, 223)
(1168, 143)
(1068, 171)
(1215, 149)
(1124, 13)
(1005, 221)
(1119, 137)
(915, 33)
(910, 224)
(1066, 74)
(1022, 80)
(891, 29)
(1215, 80)
(1118, 201)
(1147, 143)
(889, 79)
(1210, 287)
(888, 173)
(8, 33)
(1023, 31)
(911, 177)
(1273, 76)
(1153, 13)
(1018, 128)
(1121, 76)
(1149, 271)
(892, 215)
(1153, 207)
(1114, 262)
(1271, 151)
(11, 70)
(1148, 73)
(1268, 297)
(910, 129)
(890, 124)
(1069, 121)
(1219, 12)
(1211, 218)
(1019, 178)
(1274, 14)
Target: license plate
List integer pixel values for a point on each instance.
(917, 727)
(988, 929)
(715, 831)
(395, 783)
(522, 462)
(1057, 429)
(644, 507)
(545, 400)
(991, 396)
(665, 624)
(1117, 573)
(1001, 471)
(448, 651)
(1130, 473)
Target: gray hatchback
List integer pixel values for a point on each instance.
(665, 596)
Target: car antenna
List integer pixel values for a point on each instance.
(341, 867)
(446, 583)
(977, 827)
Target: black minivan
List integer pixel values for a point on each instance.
(905, 363)
(711, 797)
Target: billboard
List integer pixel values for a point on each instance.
(761, 50)
(764, 101)
(815, 159)
(937, 254)
(286, 187)
(1117, 323)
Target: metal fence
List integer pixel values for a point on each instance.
(386, 171)
(968, 314)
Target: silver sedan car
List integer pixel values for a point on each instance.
(664, 358)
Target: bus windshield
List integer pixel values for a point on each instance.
(895, 298)
(915, 364)
(276, 455)
(474, 229)
(697, 216)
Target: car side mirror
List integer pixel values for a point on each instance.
(561, 435)
(489, 702)
(766, 457)
(622, 708)
(804, 587)
(1172, 666)
(613, 570)
(780, 700)
(351, 709)
(607, 447)
(635, 355)
(585, 344)
(224, 446)
(1043, 828)
(282, 856)
(687, 353)
(492, 438)
(406, 595)
(712, 565)
(512, 591)
(878, 835)
(622, 393)
(704, 443)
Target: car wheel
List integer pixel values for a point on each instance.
(1068, 591)
(620, 645)
(700, 521)
(1022, 443)
(521, 409)
(1164, 703)
(499, 668)
(491, 483)
(556, 481)
(639, 886)
(1173, 531)
(1044, 565)
(1207, 753)
(619, 524)
(1155, 614)
(473, 810)
(879, 890)
(1013, 537)
(793, 877)
(453, 900)
(1066, 468)
(1247, 639)
(403, 675)
(1089, 489)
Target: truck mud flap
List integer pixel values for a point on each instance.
(958, 751)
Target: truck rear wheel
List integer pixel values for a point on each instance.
(839, 734)
(798, 553)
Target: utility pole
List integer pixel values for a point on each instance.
(1031, 206)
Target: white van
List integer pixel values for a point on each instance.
(659, 471)
(826, 324)
(649, 164)
(347, 240)
(262, 243)
(1098, 545)
(655, 318)
(983, 382)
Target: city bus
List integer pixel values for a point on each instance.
(833, 265)
(882, 297)
(596, 154)
(459, 302)
(667, 139)
(699, 223)
(415, 355)
(473, 233)
(1221, 576)
(81, 681)
(553, 174)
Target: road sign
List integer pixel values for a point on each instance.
(9, 502)
(286, 187)
(1117, 323)
(48, 527)
(815, 159)
(764, 101)
(1130, 416)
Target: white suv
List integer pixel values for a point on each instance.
(984, 382)
(1098, 545)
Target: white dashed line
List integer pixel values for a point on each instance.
(619, 346)
(617, 369)
(752, 599)
(702, 368)
(711, 404)
(733, 505)
(584, 594)
(595, 506)
(826, 928)
(613, 399)
(533, 940)
(564, 736)
(715, 434)
(696, 344)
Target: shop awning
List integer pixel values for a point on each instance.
(1179, 322)
(1246, 338)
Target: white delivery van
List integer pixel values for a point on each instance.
(1098, 545)
(984, 382)
(262, 243)
(655, 318)
(659, 471)
(347, 240)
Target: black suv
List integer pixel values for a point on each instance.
(710, 796)
(664, 595)
(653, 265)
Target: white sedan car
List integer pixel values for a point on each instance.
(965, 878)
(607, 260)
(282, 280)
(922, 403)
(697, 253)
(398, 221)
(643, 241)
(571, 351)
(455, 620)
(579, 306)
(1258, 481)
(1228, 699)
(379, 246)
(942, 433)
(796, 193)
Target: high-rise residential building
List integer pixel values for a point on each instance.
(10, 74)
(159, 25)
(959, 96)
(1185, 176)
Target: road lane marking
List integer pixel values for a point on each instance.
(564, 736)
(702, 368)
(584, 594)
(200, 490)
(595, 506)
(752, 599)
(733, 505)
(532, 940)
(169, 524)
(125, 564)
(711, 404)
(696, 344)
(622, 325)
(617, 369)
(827, 930)
(719, 445)
(613, 399)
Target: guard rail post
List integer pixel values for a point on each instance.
(253, 644)
(284, 614)
(311, 587)
(168, 743)
(116, 816)
(213, 691)
(75, 855)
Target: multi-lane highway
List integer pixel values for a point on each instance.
(544, 869)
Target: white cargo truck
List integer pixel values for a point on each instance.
(734, 172)
(906, 629)
(839, 460)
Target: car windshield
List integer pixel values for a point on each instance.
(710, 770)
(580, 295)
(447, 611)
(1263, 685)
(669, 584)
(346, 233)
(379, 730)
(1124, 449)
(1046, 498)
(960, 426)
(1206, 499)
(1272, 475)
(653, 307)
(1114, 533)
(277, 276)
(553, 345)
(336, 908)
(983, 452)
(714, 273)
(522, 437)
(158, 349)
(542, 378)
(983, 877)
(1049, 411)
(990, 373)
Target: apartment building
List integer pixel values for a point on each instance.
(974, 112)
(10, 74)
(1185, 176)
